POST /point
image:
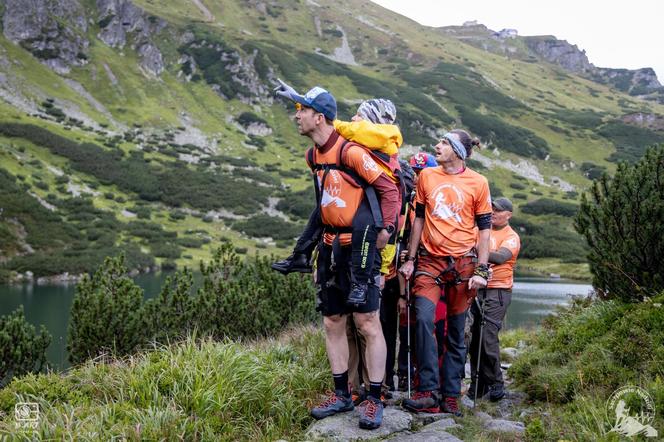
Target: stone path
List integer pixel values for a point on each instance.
(402, 426)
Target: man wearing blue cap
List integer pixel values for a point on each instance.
(341, 171)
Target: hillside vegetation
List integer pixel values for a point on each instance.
(151, 127)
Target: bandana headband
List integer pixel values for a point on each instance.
(458, 147)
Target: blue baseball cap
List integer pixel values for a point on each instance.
(319, 100)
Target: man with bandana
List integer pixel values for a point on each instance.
(451, 202)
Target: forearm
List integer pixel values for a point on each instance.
(483, 246)
(388, 194)
(500, 256)
(415, 235)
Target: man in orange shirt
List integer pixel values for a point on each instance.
(493, 301)
(451, 201)
(341, 170)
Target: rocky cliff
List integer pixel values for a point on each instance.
(560, 52)
(56, 31)
(635, 81)
(53, 31)
(122, 22)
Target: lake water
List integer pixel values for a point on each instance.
(532, 299)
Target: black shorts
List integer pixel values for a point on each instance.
(333, 275)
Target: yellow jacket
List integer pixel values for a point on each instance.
(383, 137)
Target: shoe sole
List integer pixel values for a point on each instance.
(368, 425)
(280, 270)
(422, 410)
(323, 416)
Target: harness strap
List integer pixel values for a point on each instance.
(369, 191)
(441, 280)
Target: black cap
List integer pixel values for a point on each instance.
(501, 204)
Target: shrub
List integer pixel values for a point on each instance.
(105, 314)
(264, 225)
(238, 298)
(547, 206)
(247, 118)
(620, 217)
(22, 349)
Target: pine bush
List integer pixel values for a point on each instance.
(621, 218)
(22, 349)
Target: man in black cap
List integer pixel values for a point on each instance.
(504, 245)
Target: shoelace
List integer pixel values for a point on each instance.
(370, 408)
(332, 399)
(451, 404)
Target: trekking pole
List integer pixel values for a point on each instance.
(479, 346)
(408, 330)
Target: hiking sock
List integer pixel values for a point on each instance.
(375, 389)
(341, 384)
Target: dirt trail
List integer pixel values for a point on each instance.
(206, 12)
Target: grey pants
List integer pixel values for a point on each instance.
(496, 302)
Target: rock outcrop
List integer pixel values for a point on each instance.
(123, 23)
(53, 31)
(560, 52)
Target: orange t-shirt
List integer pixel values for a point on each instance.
(341, 196)
(503, 274)
(452, 203)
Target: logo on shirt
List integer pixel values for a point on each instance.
(511, 243)
(332, 190)
(368, 163)
(448, 202)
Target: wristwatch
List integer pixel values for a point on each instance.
(390, 229)
(408, 258)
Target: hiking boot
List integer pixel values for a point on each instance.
(481, 392)
(450, 405)
(332, 405)
(358, 294)
(496, 392)
(422, 402)
(297, 262)
(371, 414)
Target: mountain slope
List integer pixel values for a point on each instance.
(162, 114)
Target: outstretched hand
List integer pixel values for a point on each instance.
(284, 90)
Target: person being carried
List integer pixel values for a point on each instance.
(371, 127)
(340, 198)
(451, 200)
(492, 304)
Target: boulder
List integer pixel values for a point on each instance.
(422, 419)
(344, 426)
(505, 426)
(426, 436)
(441, 425)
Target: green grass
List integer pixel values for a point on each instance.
(192, 390)
(583, 354)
